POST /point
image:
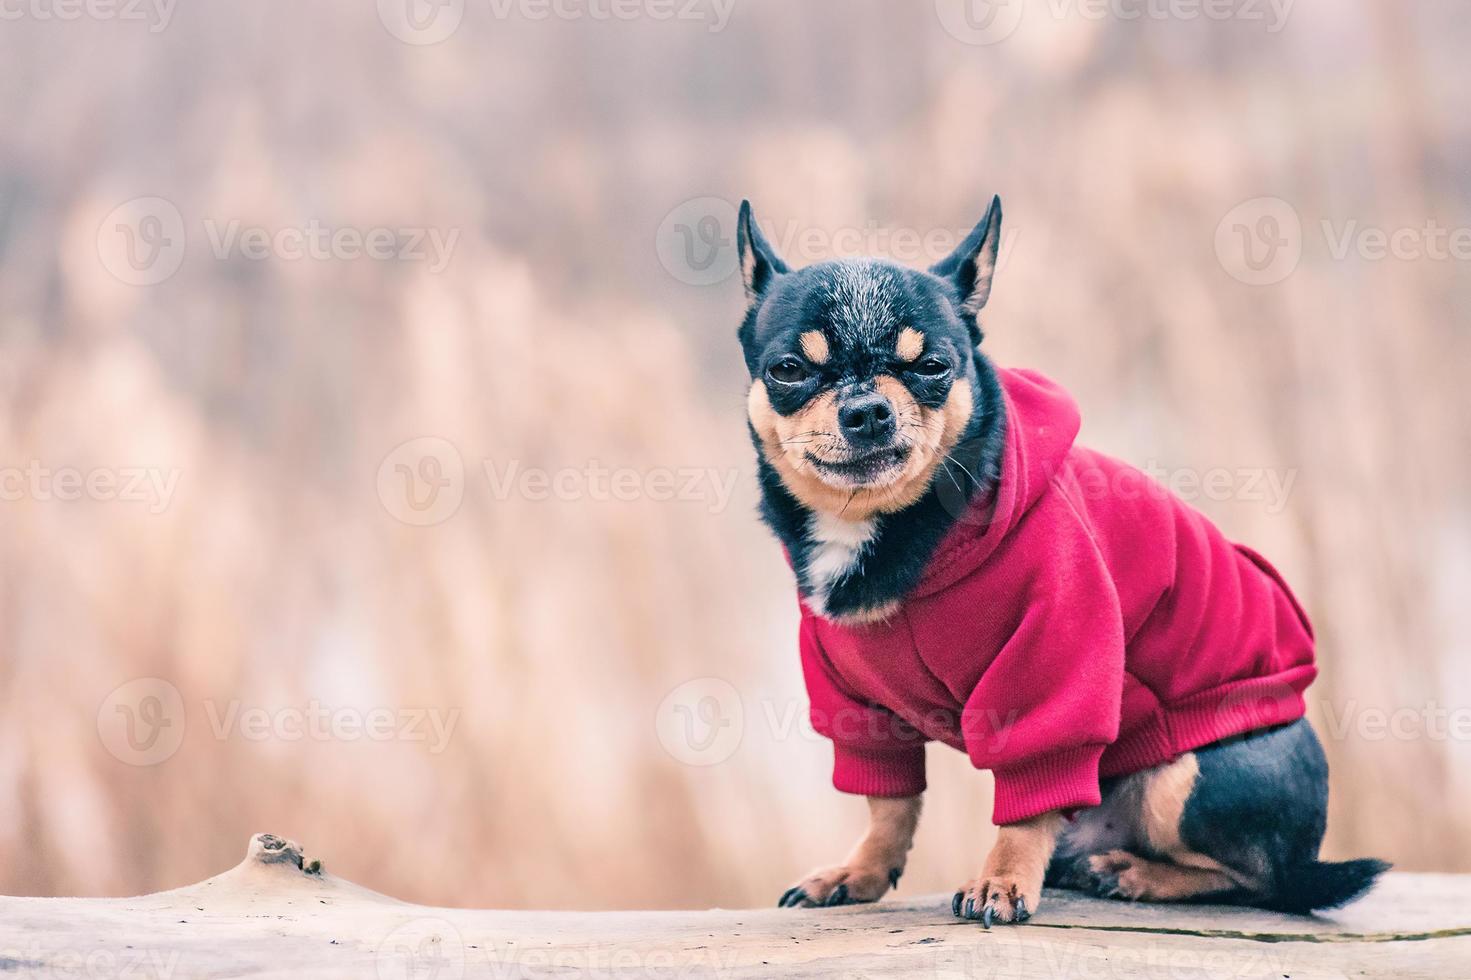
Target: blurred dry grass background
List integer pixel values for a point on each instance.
(276, 576)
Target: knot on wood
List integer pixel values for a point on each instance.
(271, 849)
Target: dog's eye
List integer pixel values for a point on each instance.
(787, 371)
(931, 367)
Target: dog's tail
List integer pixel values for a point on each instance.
(1320, 885)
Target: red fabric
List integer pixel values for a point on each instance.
(1079, 623)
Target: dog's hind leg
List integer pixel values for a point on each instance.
(1112, 825)
(1259, 807)
(1130, 846)
(1120, 874)
(1238, 821)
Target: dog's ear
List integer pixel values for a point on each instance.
(759, 262)
(972, 264)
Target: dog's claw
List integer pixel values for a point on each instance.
(894, 875)
(791, 897)
(987, 916)
(955, 904)
(838, 897)
(1019, 910)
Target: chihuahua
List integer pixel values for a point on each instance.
(967, 574)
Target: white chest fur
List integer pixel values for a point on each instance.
(837, 550)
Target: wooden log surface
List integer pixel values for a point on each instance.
(278, 915)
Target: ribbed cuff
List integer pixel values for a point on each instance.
(1059, 781)
(879, 772)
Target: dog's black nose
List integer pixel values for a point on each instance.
(867, 419)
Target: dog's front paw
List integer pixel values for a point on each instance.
(847, 885)
(997, 898)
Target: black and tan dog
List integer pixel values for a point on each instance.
(880, 427)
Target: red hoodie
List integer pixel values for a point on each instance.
(1078, 623)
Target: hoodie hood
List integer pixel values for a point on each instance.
(1042, 421)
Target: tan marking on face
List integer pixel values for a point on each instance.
(910, 345)
(814, 346)
(787, 440)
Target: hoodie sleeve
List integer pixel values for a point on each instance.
(1048, 705)
(875, 752)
